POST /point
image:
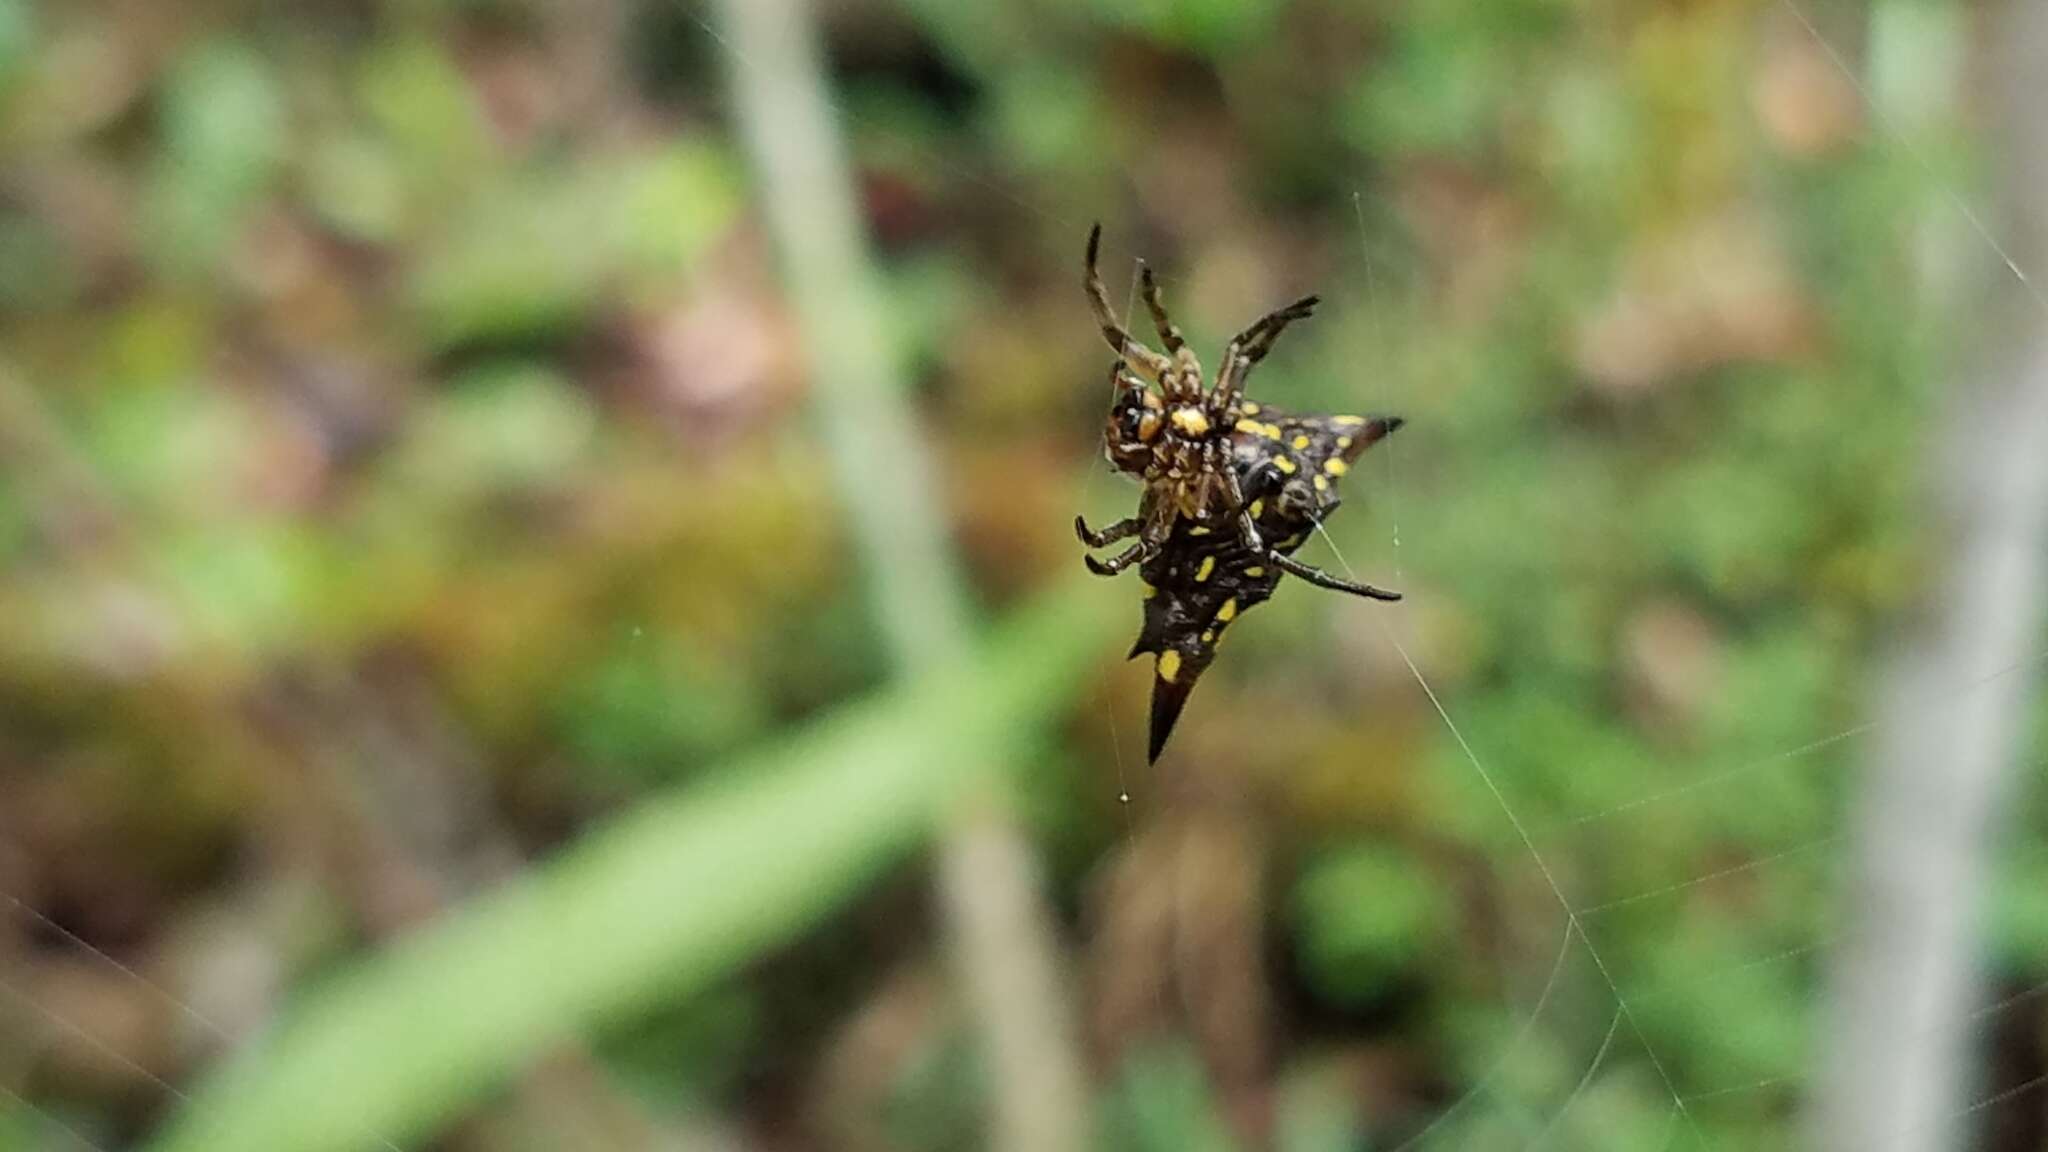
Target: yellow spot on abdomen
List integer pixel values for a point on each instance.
(1300, 442)
(1251, 427)
(1249, 408)
(1348, 421)
(1169, 665)
(1254, 573)
(1284, 464)
(1335, 466)
(1208, 566)
(1209, 637)
(1228, 612)
(1198, 530)
(1343, 442)
(1322, 485)
(1258, 507)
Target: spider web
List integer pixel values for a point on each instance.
(1578, 931)
(1491, 1111)
(1578, 917)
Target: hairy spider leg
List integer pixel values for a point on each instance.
(1257, 340)
(1148, 289)
(1144, 361)
(1251, 346)
(1247, 528)
(1170, 335)
(1156, 517)
(1229, 383)
(1137, 553)
(1122, 529)
(1322, 579)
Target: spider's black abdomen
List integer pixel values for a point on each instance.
(1205, 576)
(1195, 588)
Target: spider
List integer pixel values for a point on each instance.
(1232, 488)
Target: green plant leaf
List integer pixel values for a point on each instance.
(223, 133)
(672, 896)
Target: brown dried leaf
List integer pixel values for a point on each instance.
(1671, 660)
(1802, 100)
(715, 364)
(1718, 292)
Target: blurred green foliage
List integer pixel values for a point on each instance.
(1162, 1102)
(1366, 916)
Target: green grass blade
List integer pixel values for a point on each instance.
(667, 899)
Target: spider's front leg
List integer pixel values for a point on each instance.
(1152, 525)
(1251, 345)
(1142, 360)
(1137, 553)
(1170, 335)
(1169, 332)
(1257, 340)
(1122, 529)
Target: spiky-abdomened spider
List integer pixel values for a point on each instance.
(1182, 440)
(1232, 488)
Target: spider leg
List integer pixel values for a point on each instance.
(1121, 376)
(1128, 526)
(1230, 382)
(1233, 492)
(1147, 363)
(1169, 332)
(1155, 518)
(1137, 553)
(1250, 346)
(1322, 579)
(1257, 340)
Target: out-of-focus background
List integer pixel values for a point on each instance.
(538, 606)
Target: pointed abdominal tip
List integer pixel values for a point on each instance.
(1167, 702)
(1171, 684)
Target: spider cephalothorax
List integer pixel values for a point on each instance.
(1231, 488)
